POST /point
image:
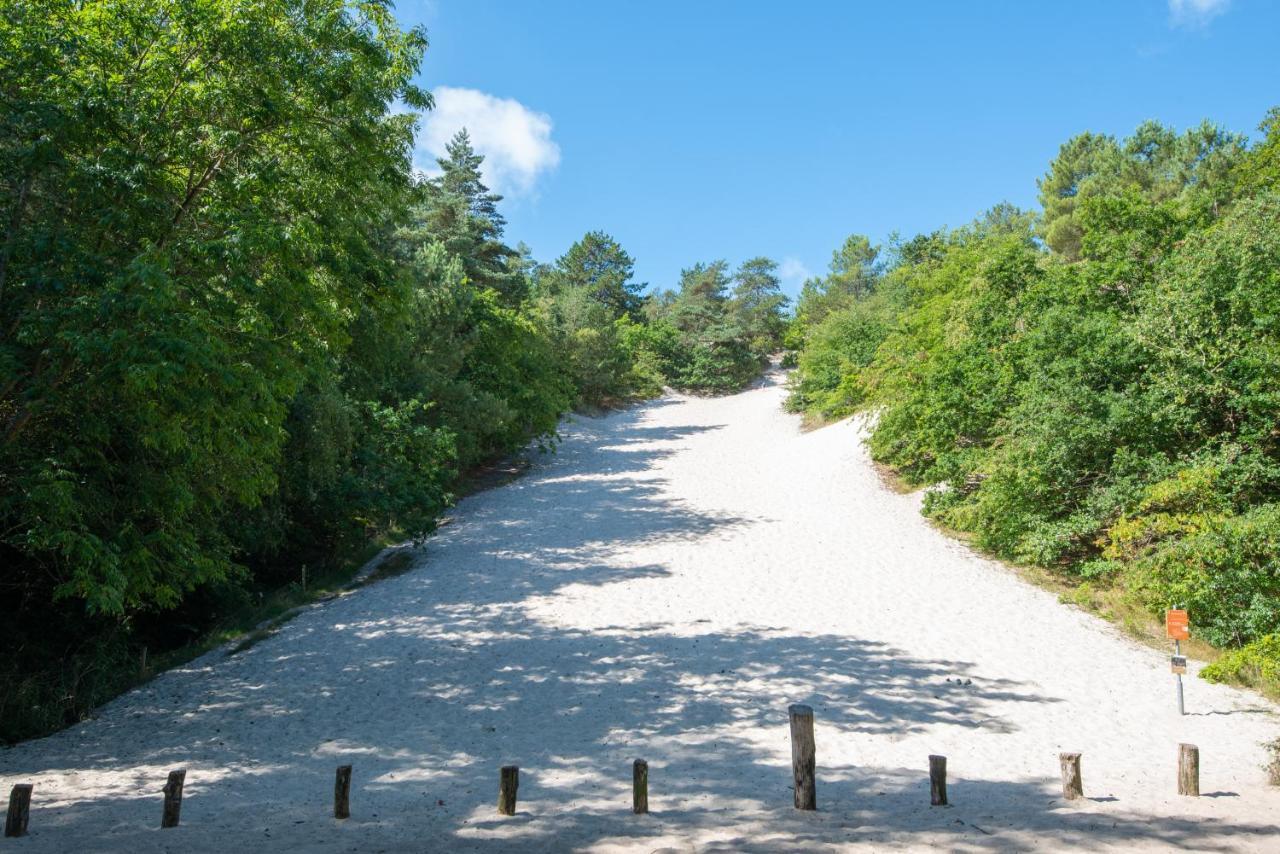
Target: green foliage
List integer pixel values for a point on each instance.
(1104, 402)
(1155, 162)
(830, 382)
(179, 251)
(757, 305)
(852, 276)
(1260, 171)
(237, 337)
(599, 270)
(616, 344)
(458, 211)
(1256, 664)
(1226, 572)
(710, 341)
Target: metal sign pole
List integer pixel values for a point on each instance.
(1177, 627)
(1177, 650)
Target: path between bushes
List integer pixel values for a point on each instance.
(663, 587)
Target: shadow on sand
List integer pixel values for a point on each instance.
(429, 681)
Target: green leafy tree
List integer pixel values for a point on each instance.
(598, 265)
(588, 296)
(1155, 162)
(179, 240)
(1259, 170)
(758, 303)
(852, 275)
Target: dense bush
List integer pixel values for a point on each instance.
(717, 330)
(240, 339)
(1095, 388)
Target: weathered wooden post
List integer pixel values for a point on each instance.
(1072, 785)
(938, 781)
(15, 820)
(640, 787)
(173, 797)
(803, 757)
(342, 792)
(508, 782)
(1189, 770)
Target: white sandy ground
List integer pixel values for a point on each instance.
(664, 587)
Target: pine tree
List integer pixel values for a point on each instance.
(460, 212)
(599, 264)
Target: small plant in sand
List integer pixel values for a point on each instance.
(1273, 761)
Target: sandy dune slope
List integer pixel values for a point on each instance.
(664, 587)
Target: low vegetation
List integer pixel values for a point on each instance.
(1092, 388)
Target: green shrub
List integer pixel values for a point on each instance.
(1256, 664)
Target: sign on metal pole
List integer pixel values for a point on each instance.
(1177, 625)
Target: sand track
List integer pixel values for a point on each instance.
(663, 587)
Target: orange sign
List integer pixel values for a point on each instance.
(1176, 624)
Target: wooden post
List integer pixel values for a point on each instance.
(173, 798)
(1189, 770)
(1072, 786)
(508, 783)
(15, 820)
(938, 781)
(342, 792)
(803, 757)
(640, 787)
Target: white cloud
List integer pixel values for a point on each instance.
(515, 141)
(1195, 13)
(792, 271)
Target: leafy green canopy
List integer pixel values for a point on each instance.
(180, 247)
(1094, 389)
(237, 336)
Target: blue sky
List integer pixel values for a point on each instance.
(700, 130)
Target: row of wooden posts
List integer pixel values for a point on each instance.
(19, 814)
(803, 766)
(803, 762)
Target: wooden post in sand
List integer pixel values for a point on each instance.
(1189, 770)
(173, 797)
(508, 782)
(342, 792)
(803, 757)
(640, 787)
(938, 781)
(1072, 786)
(15, 820)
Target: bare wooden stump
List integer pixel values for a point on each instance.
(173, 797)
(938, 781)
(508, 782)
(15, 820)
(342, 792)
(803, 759)
(1189, 770)
(640, 787)
(1072, 786)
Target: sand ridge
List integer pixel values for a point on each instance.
(663, 587)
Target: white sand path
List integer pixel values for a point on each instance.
(664, 587)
